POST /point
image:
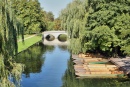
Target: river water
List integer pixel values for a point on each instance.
(52, 66)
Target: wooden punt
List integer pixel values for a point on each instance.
(97, 66)
(78, 66)
(77, 58)
(79, 73)
(85, 56)
(89, 67)
(94, 59)
(89, 61)
(78, 62)
(98, 62)
(111, 66)
(117, 72)
(80, 70)
(99, 70)
(100, 75)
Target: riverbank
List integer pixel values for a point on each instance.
(28, 41)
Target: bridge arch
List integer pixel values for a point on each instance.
(56, 35)
(50, 37)
(62, 37)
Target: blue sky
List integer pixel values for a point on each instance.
(54, 5)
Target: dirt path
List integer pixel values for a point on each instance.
(27, 38)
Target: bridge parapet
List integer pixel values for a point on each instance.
(54, 33)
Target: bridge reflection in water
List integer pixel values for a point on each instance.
(56, 41)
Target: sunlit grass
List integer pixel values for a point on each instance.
(28, 42)
(25, 36)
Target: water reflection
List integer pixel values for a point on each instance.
(44, 65)
(63, 47)
(70, 80)
(31, 58)
(51, 66)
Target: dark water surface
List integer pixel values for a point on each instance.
(52, 66)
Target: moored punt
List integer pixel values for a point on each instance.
(88, 66)
(78, 62)
(80, 70)
(100, 75)
(78, 65)
(99, 69)
(84, 56)
(114, 66)
(75, 56)
(122, 63)
(100, 66)
(98, 62)
(94, 59)
(82, 74)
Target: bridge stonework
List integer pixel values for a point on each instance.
(54, 33)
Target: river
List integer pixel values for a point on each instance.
(52, 66)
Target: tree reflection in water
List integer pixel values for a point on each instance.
(70, 80)
(63, 47)
(32, 58)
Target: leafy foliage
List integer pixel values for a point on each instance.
(73, 19)
(32, 59)
(31, 14)
(49, 18)
(10, 27)
(57, 24)
(99, 26)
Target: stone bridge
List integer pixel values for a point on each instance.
(56, 35)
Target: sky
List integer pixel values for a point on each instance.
(55, 6)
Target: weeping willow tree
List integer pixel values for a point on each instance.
(10, 27)
(73, 19)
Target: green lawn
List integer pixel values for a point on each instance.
(25, 36)
(28, 42)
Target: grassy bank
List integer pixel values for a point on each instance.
(25, 36)
(28, 42)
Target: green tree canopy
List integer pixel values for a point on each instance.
(31, 14)
(98, 26)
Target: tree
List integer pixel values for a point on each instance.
(73, 19)
(49, 18)
(98, 26)
(10, 27)
(31, 14)
(108, 13)
(57, 24)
